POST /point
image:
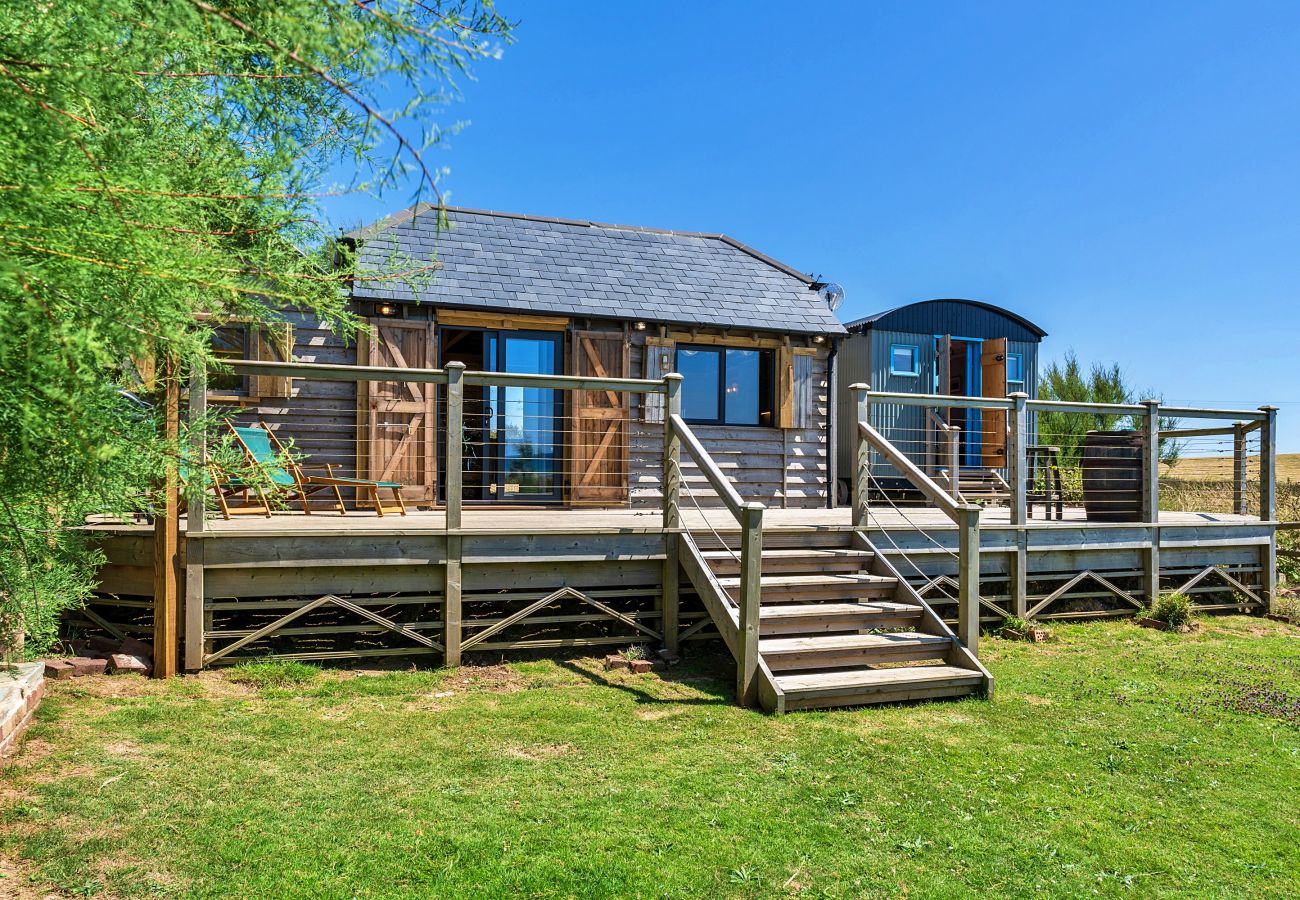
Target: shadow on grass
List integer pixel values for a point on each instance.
(709, 673)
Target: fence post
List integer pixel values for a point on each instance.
(166, 546)
(451, 609)
(862, 462)
(1018, 472)
(1268, 503)
(1240, 469)
(195, 515)
(1268, 464)
(672, 478)
(1151, 497)
(968, 576)
(751, 573)
(954, 461)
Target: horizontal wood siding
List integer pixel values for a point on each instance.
(784, 467)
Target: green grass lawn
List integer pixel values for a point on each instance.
(1115, 761)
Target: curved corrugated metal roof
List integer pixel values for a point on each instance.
(882, 319)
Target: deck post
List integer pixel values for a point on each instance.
(195, 516)
(862, 463)
(672, 478)
(751, 574)
(953, 450)
(451, 607)
(1268, 504)
(1151, 497)
(1018, 475)
(968, 576)
(1240, 469)
(166, 546)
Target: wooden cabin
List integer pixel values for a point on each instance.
(542, 296)
(962, 348)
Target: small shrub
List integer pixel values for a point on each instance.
(273, 673)
(1174, 609)
(636, 651)
(1287, 604)
(1013, 623)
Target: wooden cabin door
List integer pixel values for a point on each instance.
(598, 446)
(396, 421)
(993, 383)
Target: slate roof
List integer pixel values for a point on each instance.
(528, 264)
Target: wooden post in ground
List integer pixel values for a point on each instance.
(1240, 469)
(862, 462)
(751, 589)
(451, 607)
(1268, 503)
(672, 480)
(195, 515)
(968, 576)
(1018, 475)
(166, 543)
(1151, 497)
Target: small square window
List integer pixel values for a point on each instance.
(1015, 368)
(904, 359)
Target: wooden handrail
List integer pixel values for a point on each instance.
(328, 372)
(718, 481)
(908, 469)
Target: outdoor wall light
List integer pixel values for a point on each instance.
(386, 309)
(639, 326)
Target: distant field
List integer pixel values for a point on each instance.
(1220, 467)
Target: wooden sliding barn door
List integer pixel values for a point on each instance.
(598, 442)
(993, 383)
(396, 420)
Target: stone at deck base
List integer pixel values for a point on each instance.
(59, 668)
(86, 665)
(126, 664)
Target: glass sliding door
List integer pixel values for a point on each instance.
(513, 439)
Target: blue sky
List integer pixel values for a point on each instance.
(1125, 175)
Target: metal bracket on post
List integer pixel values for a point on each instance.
(862, 462)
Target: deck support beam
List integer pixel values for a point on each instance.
(451, 607)
(968, 577)
(751, 576)
(672, 515)
(195, 517)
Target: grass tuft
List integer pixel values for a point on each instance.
(273, 673)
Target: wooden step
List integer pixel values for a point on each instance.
(793, 561)
(823, 618)
(835, 651)
(803, 588)
(858, 687)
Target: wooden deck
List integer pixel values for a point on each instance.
(488, 521)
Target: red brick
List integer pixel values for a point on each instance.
(614, 661)
(125, 664)
(641, 666)
(58, 668)
(86, 665)
(133, 647)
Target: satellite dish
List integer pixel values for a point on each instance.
(833, 294)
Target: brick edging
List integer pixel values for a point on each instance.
(19, 699)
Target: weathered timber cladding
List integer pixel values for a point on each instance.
(785, 467)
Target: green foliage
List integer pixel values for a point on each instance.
(273, 673)
(636, 651)
(1013, 623)
(162, 162)
(1174, 609)
(1066, 380)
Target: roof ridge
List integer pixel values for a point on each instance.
(411, 212)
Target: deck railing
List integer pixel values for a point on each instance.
(1243, 442)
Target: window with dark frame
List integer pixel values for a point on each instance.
(229, 342)
(727, 385)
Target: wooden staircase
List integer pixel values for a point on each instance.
(979, 485)
(837, 625)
